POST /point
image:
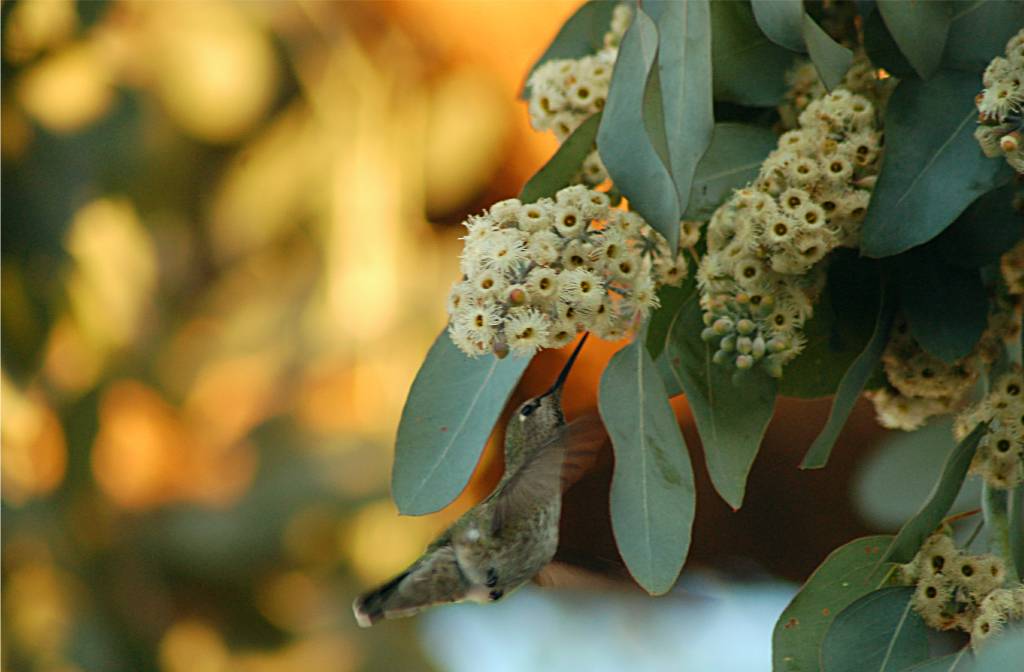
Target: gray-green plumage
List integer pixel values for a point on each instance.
(502, 542)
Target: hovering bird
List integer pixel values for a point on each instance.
(508, 538)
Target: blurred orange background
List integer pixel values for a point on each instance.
(229, 230)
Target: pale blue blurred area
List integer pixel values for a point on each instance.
(706, 625)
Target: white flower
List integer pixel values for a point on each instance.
(545, 247)
(504, 251)
(526, 330)
(543, 283)
(489, 283)
(581, 288)
(569, 221)
(535, 217)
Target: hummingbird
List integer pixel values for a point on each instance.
(509, 537)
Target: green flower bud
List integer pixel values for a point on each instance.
(708, 335)
(722, 326)
(744, 362)
(759, 348)
(728, 343)
(720, 357)
(745, 326)
(744, 345)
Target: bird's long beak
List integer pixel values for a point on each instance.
(560, 381)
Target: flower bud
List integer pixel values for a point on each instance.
(744, 345)
(728, 343)
(720, 357)
(758, 348)
(517, 297)
(1010, 142)
(500, 349)
(708, 334)
(722, 326)
(745, 326)
(744, 362)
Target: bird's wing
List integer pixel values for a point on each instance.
(552, 469)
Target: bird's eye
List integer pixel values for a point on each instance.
(495, 595)
(528, 409)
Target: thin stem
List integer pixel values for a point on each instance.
(995, 505)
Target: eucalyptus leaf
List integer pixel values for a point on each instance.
(449, 414)
(946, 306)
(979, 31)
(782, 21)
(839, 330)
(626, 149)
(882, 49)
(920, 30)
(987, 228)
(831, 59)
(652, 492)
(933, 167)
(961, 661)
(581, 35)
(852, 384)
(1015, 520)
(929, 517)
(846, 575)
(747, 67)
(787, 24)
(880, 632)
(561, 168)
(731, 417)
(684, 75)
(1002, 653)
(731, 161)
(671, 299)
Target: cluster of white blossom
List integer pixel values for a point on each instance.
(804, 86)
(565, 92)
(1000, 455)
(762, 271)
(1012, 266)
(534, 275)
(1001, 106)
(958, 591)
(921, 385)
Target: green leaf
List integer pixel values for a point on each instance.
(979, 31)
(986, 229)
(671, 300)
(961, 661)
(731, 417)
(787, 24)
(623, 141)
(451, 409)
(1003, 653)
(881, 48)
(747, 68)
(732, 160)
(652, 494)
(1016, 525)
(582, 35)
(839, 331)
(880, 632)
(897, 476)
(684, 74)
(830, 58)
(561, 168)
(933, 167)
(924, 523)
(946, 306)
(920, 30)
(782, 21)
(845, 576)
(852, 384)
